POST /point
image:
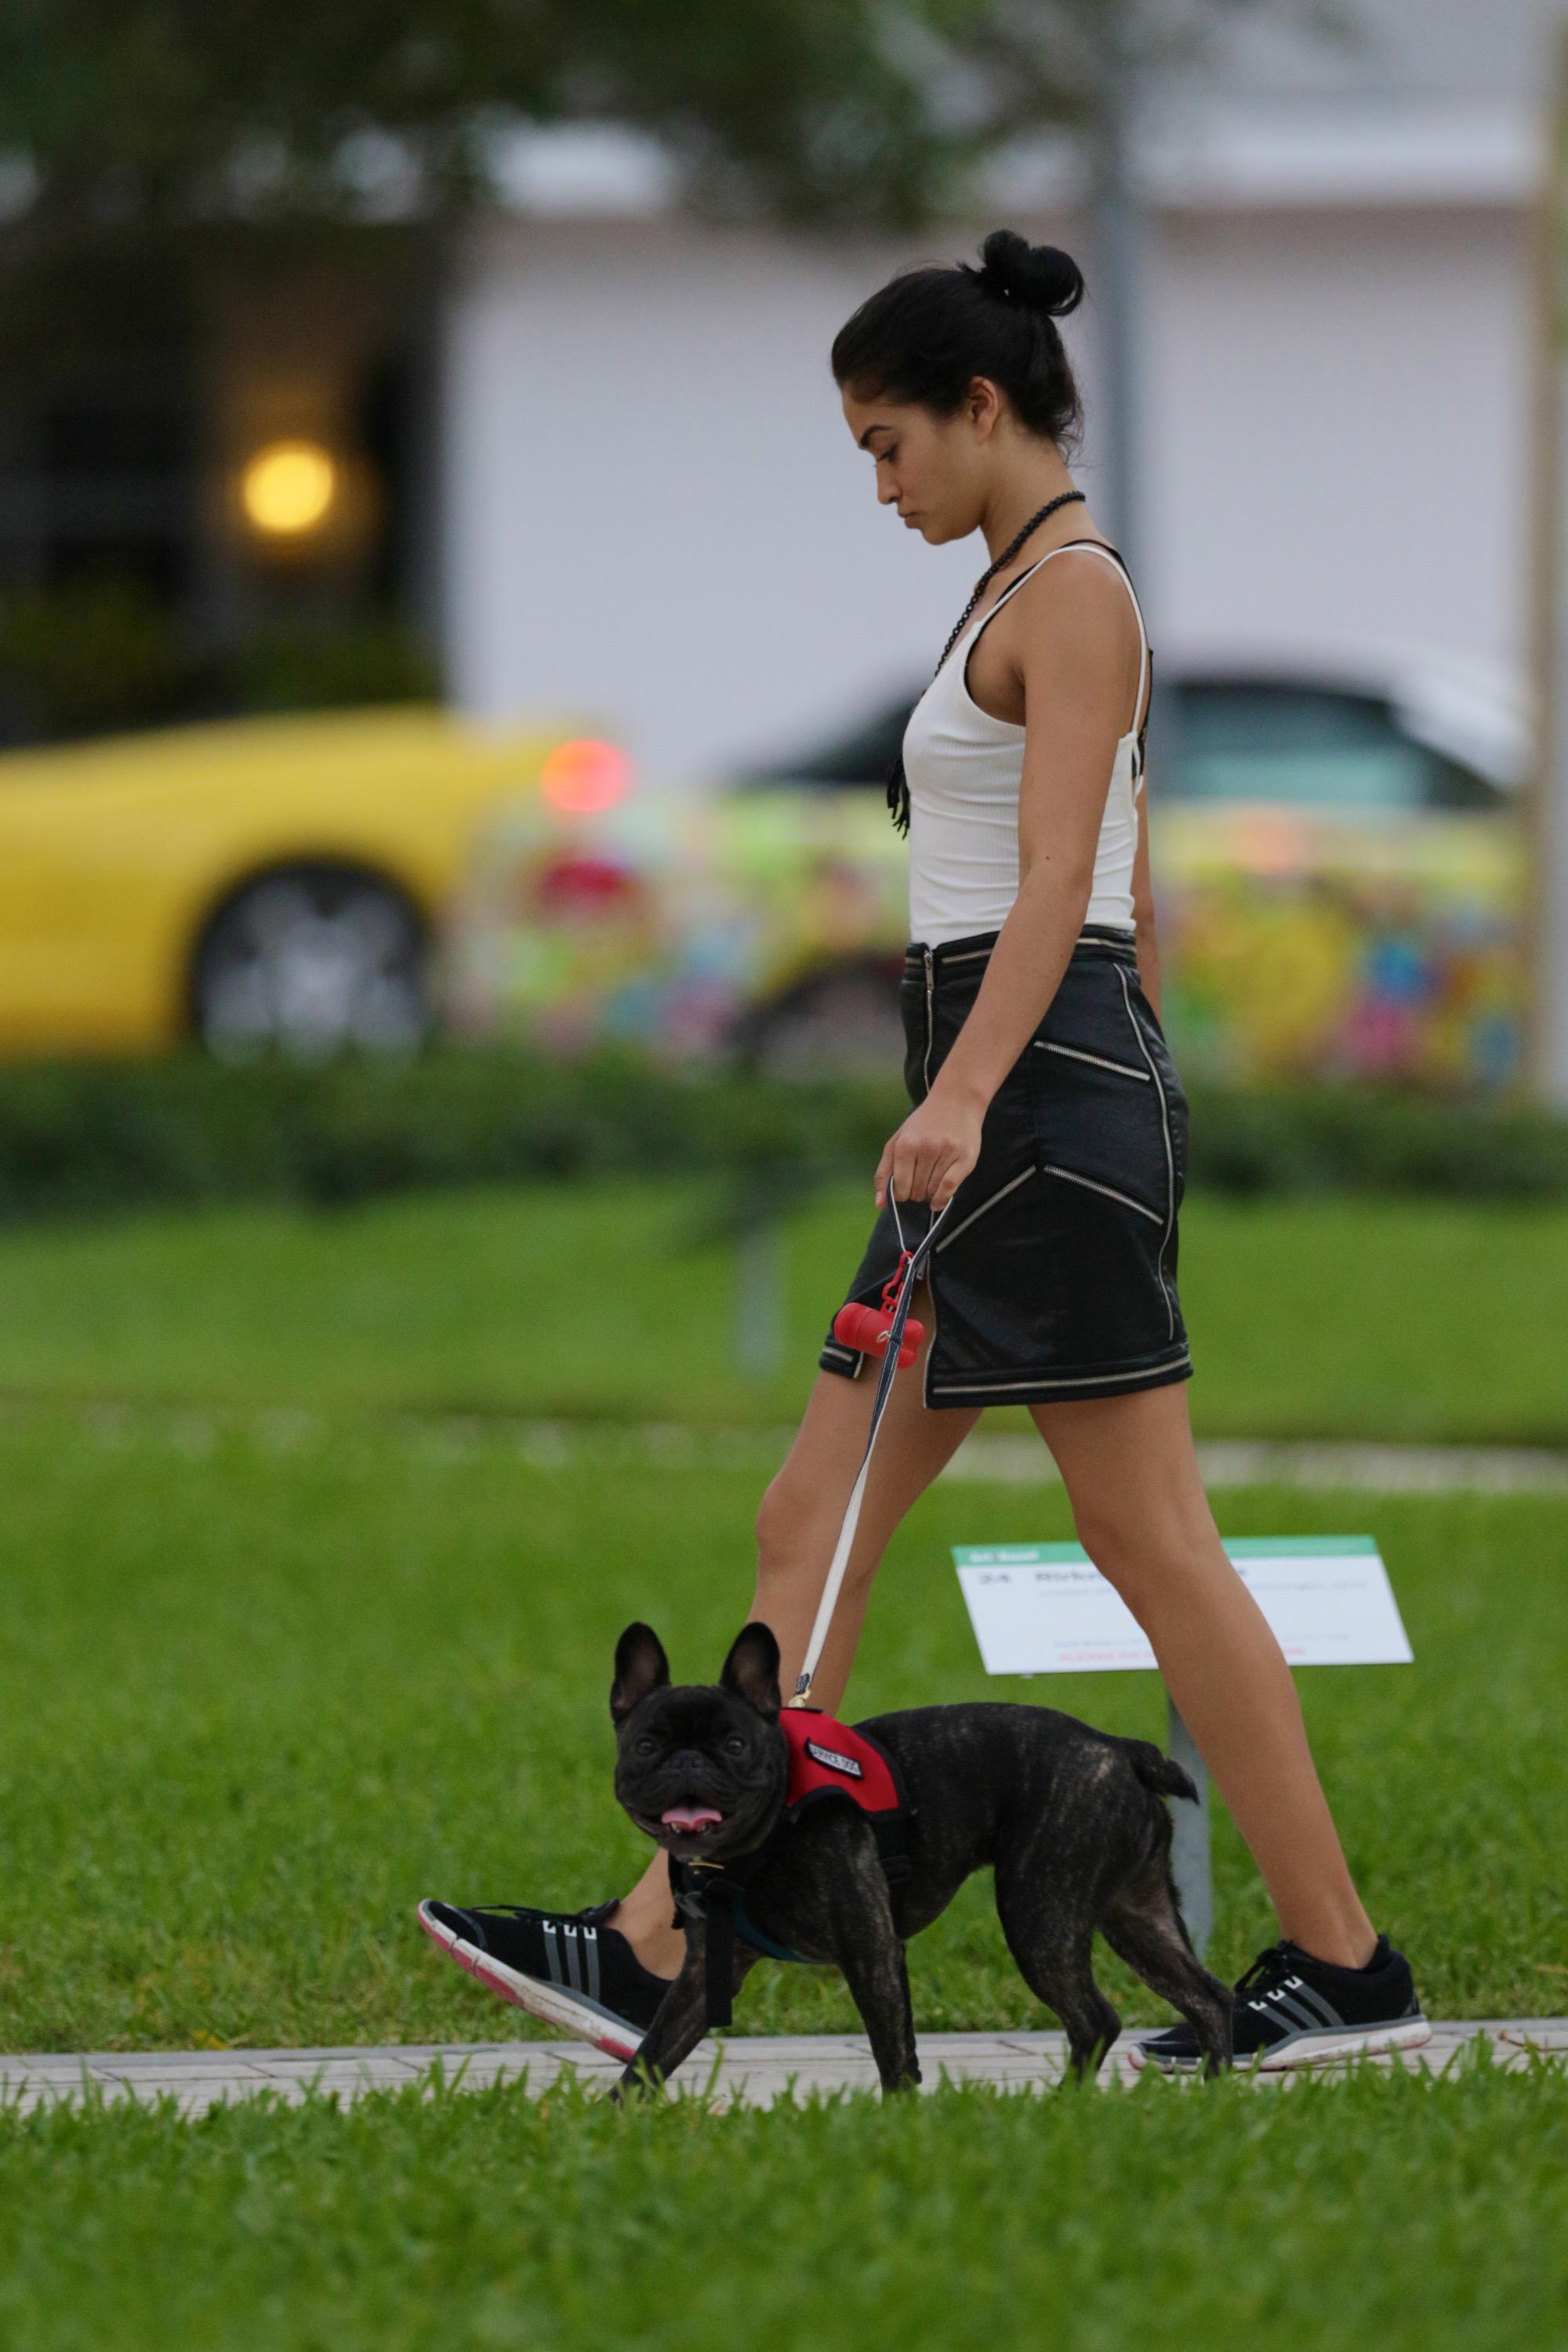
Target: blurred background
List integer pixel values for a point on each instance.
(450, 652)
(436, 589)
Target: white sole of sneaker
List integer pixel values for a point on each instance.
(1326, 2049)
(551, 2004)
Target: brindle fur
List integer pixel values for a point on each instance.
(1070, 1819)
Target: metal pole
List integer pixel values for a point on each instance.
(1547, 920)
(760, 1313)
(1120, 242)
(1190, 1862)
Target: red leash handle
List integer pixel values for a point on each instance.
(895, 1282)
(869, 1328)
(887, 1336)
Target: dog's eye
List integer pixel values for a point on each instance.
(735, 1745)
(645, 1745)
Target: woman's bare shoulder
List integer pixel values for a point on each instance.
(1076, 601)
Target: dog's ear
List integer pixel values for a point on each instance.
(641, 1667)
(752, 1669)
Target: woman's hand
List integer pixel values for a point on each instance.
(932, 1152)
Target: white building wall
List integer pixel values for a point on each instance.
(1338, 430)
(654, 514)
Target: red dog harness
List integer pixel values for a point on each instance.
(826, 1758)
(828, 1764)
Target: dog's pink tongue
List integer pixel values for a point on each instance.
(690, 1817)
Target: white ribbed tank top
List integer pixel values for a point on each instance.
(964, 769)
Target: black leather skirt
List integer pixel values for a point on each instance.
(1054, 1275)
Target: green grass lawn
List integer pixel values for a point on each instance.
(1363, 2216)
(265, 1680)
(1334, 1318)
(254, 1702)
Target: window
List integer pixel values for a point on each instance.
(1307, 747)
(863, 757)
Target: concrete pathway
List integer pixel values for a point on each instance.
(1001, 1457)
(752, 2071)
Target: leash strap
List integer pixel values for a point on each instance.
(840, 1561)
(704, 1893)
(719, 1953)
(715, 1893)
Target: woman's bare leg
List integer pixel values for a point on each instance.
(797, 1528)
(1144, 1518)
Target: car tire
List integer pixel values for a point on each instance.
(842, 1022)
(308, 961)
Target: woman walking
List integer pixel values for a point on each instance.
(1047, 1111)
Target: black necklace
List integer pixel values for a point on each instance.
(897, 782)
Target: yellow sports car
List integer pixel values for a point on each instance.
(272, 881)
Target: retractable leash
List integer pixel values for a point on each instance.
(889, 1332)
(715, 1892)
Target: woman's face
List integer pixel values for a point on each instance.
(932, 468)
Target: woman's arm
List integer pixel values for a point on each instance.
(1076, 654)
(1144, 908)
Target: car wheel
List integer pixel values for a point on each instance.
(308, 961)
(842, 1024)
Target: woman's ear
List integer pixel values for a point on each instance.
(983, 406)
(752, 1669)
(641, 1667)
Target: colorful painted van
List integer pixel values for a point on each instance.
(1338, 878)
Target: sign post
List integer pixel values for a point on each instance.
(1045, 1609)
(1190, 1864)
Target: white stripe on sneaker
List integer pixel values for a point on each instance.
(579, 2016)
(1306, 2020)
(1318, 2010)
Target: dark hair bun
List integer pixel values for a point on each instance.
(924, 336)
(1037, 277)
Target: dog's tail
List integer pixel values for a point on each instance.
(1158, 1773)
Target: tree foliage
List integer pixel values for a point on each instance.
(184, 111)
(202, 109)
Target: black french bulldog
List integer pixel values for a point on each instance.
(1069, 1818)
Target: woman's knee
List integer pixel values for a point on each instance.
(1145, 1563)
(795, 1539)
(780, 1515)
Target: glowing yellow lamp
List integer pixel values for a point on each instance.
(287, 488)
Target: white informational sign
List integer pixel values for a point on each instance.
(1045, 1609)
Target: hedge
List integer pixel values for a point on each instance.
(86, 1138)
(90, 1138)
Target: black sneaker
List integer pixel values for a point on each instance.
(565, 1967)
(1294, 2011)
